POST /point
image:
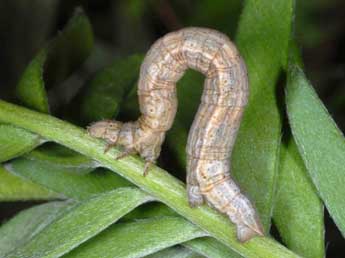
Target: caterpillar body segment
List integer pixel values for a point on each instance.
(214, 129)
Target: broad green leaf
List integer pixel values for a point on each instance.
(63, 158)
(137, 239)
(80, 223)
(262, 38)
(298, 211)
(210, 248)
(28, 223)
(70, 185)
(104, 94)
(175, 252)
(55, 62)
(319, 141)
(15, 141)
(13, 188)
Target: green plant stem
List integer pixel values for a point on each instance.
(158, 183)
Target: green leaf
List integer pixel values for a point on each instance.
(55, 62)
(49, 67)
(70, 185)
(63, 158)
(320, 143)
(80, 223)
(104, 94)
(13, 188)
(189, 90)
(210, 248)
(149, 210)
(204, 246)
(137, 239)
(158, 183)
(298, 211)
(176, 140)
(15, 141)
(175, 252)
(81, 187)
(262, 38)
(28, 223)
(30, 89)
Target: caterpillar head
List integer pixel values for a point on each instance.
(106, 129)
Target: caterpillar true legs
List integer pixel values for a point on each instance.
(215, 126)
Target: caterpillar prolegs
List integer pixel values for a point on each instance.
(215, 126)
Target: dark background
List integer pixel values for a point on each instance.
(128, 27)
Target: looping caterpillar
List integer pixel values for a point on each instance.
(215, 126)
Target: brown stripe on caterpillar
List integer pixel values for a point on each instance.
(213, 132)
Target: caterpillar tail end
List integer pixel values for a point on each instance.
(247, 231)
(246, 219)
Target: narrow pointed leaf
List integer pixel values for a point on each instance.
(15, 141)
(104, 94)
(69, 185)
(50, 66)
(298, 211)
(262, 38)
(63, 158)
(81, 187)
(320, 143)
(137, 239)
(175, 252)
(210, 248)
(55, 62)
(14, 188)
(149, 210)
(25, 225)
(80, 223)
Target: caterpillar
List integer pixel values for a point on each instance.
(214, 129)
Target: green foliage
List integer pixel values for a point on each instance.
(298, 211)
(16, 188)
(320, 142)
(106, 214)
(53, 64)
(16, 141)
(123, 240)
(175, 252)
(81, 222)
(256, 154)
(62, 158)
(104, 94)
(23, 227)
(71, 185)
(56, 62)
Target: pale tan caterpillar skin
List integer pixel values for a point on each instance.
(214, 129)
